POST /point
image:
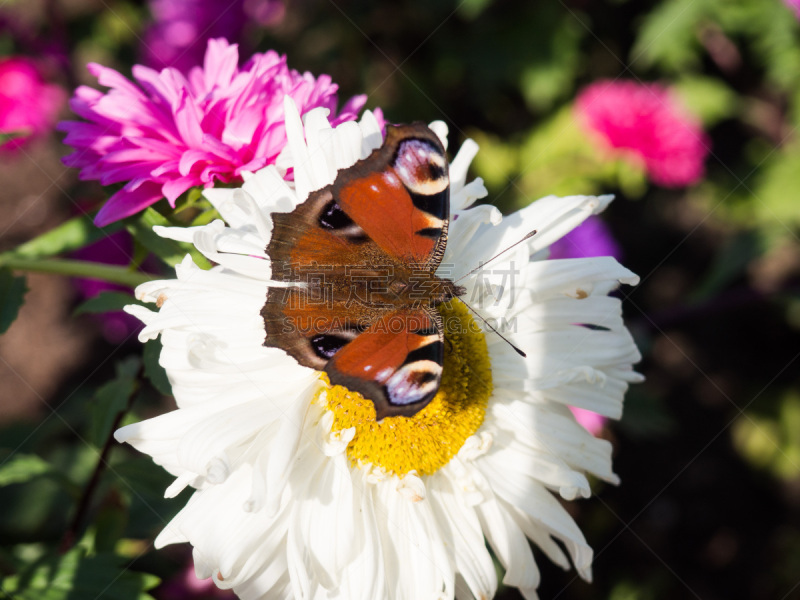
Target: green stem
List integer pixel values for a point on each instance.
(76, 268)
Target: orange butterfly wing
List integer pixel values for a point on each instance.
(385, 217)
(396, 363)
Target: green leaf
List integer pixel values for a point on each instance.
(708, 98)
(106, 302)
(147, 479)
(774, 198)
(188, 200)
(74, 575)
(471, 9)
(169, 251)
(21, 468)
(205, 217)
(111, 399)
(13, 135)
(668, 35)
(12, 297)
(75, 233)
(110, 522)
(141, 483)
(128, 367)
(153, 370)
(550, 76)
(497, 162)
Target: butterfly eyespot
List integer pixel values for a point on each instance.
(333, 217)
(414, 383)
(421, 167)
(326, 345)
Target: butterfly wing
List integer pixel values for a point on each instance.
(380, 219)
(389, 208)
(400, 195)
(396, 363)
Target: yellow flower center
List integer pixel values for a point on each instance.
(428, 440)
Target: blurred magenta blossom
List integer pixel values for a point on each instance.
(591, 421)
(171, 132)
(794, 5)
(180, 29)
(644, 123)
(28, 105)
(186, 586)
(590, 238)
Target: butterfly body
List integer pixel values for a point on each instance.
(357, 265)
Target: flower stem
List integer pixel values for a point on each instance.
(71, 535)
(76, 268)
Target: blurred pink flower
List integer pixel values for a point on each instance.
(590, 238)
(794, 5)
(172, 132)
(28, 105)
(180, 29)
(591, 421)
(186, 586)
(644, 122)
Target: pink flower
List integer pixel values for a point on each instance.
(590, 238)
(28, 105)
(794, 5)
(591, 421)
(186, 586)
(643, 122)
(172, 132)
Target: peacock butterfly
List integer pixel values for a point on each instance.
(363, 253)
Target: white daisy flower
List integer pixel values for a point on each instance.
(299, 493)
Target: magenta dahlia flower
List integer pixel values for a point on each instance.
(644, 123)
(173, 132)
(29, 106)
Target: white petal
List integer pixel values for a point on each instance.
(412, 544)
(510, 546)
(372, 137)
(441, 130)
(462, 532)
(459, 166)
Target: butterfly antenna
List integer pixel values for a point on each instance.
(483, 264)
(489, 325)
